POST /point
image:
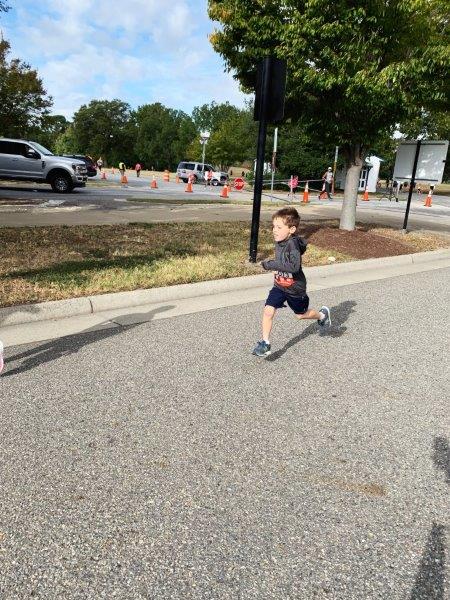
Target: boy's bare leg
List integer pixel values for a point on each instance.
(267, 322)
(310, 314)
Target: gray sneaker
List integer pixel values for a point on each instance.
(326, 321)
(262, 349)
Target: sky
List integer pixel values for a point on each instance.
(94, 49)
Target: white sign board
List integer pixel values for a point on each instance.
(430, 165)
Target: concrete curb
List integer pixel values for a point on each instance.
(58, 309)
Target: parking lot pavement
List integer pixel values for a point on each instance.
(162, 460)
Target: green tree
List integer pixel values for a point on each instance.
(300, 155)
(356, 69)
(210, 117)
(66, 143)
(163, 135)
(104, 128)
(52, 127)
(24, 103)
(233, 141)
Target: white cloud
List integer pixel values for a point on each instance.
(148, 52)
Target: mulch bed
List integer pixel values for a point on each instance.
(360, 243)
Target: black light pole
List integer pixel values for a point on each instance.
(260, 155)
(412, 185)
(269, 108)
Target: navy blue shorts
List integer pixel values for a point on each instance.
(277, 298)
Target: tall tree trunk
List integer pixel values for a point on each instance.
(355, 160)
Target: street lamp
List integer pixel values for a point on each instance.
(204, 137)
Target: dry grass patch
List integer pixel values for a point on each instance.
(52, 263)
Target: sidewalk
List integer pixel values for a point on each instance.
(50, 320)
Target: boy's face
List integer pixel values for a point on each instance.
(281, 231)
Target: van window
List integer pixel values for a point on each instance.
(189, 166)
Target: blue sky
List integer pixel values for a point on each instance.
(93, 49)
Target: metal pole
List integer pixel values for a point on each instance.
(203, 158)
(259, 163)
(274, 157)
(412, 185)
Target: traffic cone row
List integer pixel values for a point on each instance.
(103, 176)
(366, 195)
(427, 202)
(166, 176)
(124, 179)
(306, 194)
(177, 179)
(153, 184)
(189, 186)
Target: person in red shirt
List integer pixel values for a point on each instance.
(138, 168)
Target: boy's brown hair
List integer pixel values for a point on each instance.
(289, 215)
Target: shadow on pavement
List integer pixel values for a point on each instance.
(441, 456)
(339, 315)
(430, 581)
(70, 344)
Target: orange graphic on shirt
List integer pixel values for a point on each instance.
(284, 279)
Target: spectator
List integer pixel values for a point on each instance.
(137, 168)
(100, 164)
(122, 169)
(328, 180)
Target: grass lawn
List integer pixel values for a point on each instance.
(52, 263)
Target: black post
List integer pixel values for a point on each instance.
(260, 155)
(412, 185)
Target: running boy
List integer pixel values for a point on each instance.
(290, 281)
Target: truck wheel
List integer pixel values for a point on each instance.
(184, 180)
(61, 183)
(215, 182)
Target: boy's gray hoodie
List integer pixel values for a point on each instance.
(288, 266)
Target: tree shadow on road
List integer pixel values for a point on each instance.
(339, 315)
(71, 344)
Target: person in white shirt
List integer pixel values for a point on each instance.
(328, 180)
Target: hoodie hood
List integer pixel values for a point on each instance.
(299, 242)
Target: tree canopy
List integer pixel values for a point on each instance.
(24, 103)
(356, 69)
(103, 128)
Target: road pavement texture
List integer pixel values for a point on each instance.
(163, 460)
(104, 204)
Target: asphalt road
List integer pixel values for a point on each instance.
(163, 460)
(108, 202)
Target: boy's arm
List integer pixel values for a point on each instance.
(290, 264)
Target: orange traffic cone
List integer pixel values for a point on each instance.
(428, 200)
(103, 176)
(166, 175)
(366, 195)
(124, 179)
(177, 179)
(153, 184)
(112, 170)
(224, 192)
(306, 194)
(189, 186)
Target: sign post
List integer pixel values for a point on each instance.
(274, 157)
(419, 161)
(411, 187)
